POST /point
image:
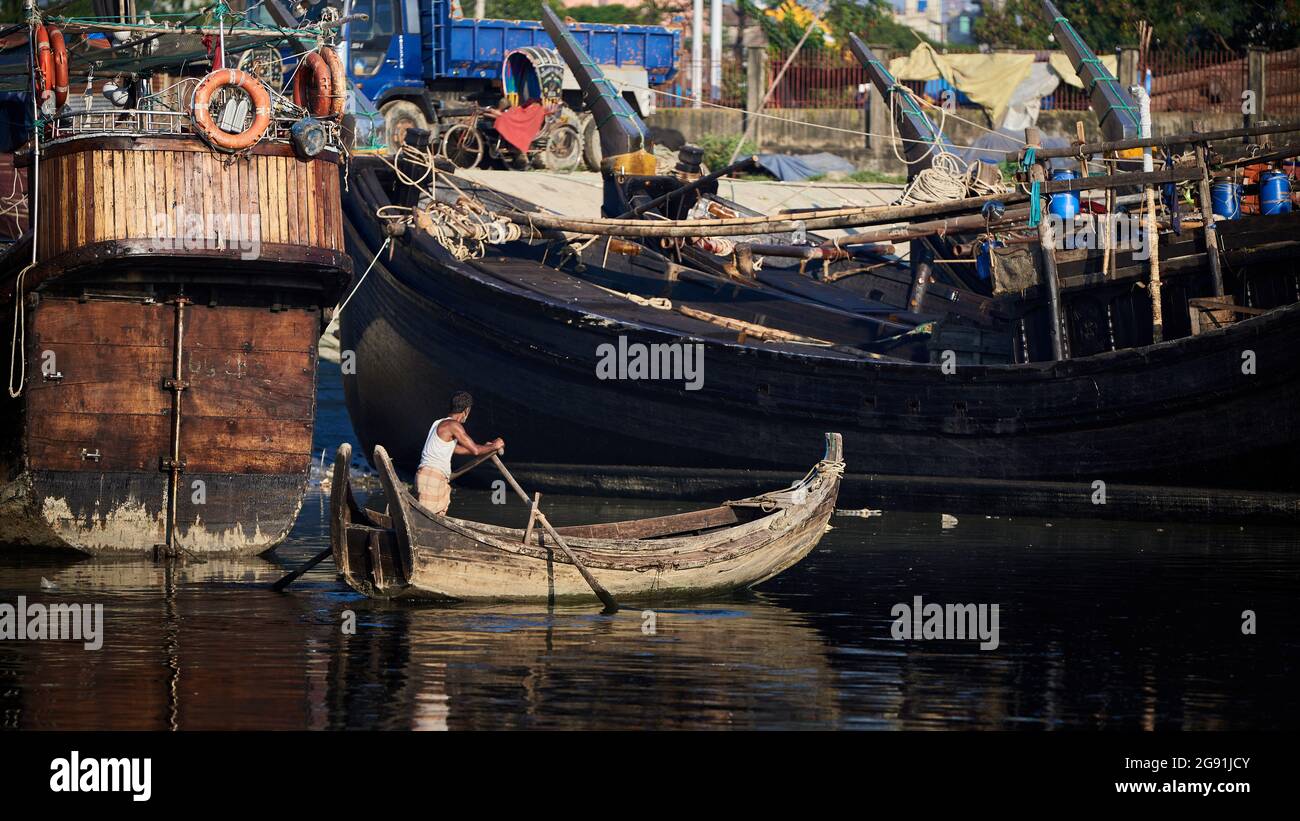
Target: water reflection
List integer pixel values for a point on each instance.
(1102, 625)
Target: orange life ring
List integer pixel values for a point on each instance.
(60, 54)
(313, 85)
(319, 84)
(338, 81)
(203, 116)
(44, 62)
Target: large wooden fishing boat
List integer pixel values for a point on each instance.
(164, 305)
(1085, 386)
(526, 339)
(412, 553)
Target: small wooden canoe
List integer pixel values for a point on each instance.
(411, 553)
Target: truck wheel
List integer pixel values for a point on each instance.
(400, 115)
(590, 143)
(563, 150)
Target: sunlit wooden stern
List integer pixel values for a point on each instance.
(168, 331)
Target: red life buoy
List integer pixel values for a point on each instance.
(203, 116)
(338, 81)
(319, 84)
(51, 65)
(60, 54)
(44, 63)
(313, 85)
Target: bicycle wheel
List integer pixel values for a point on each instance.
(463, 145)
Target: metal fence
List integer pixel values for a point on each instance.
(1195, 81)
(1203, 81)
(730, 92)
(1282, 69)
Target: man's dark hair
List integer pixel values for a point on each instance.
(461, 401)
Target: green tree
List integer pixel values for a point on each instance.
(1187, 24)
(618, 13)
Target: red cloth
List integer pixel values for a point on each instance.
(519, 125)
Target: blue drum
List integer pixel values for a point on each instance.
(1064, 205)
(1274, 193)
(1225, 199)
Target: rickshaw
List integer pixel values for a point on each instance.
(530, 127)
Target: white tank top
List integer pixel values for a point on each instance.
(437, 453)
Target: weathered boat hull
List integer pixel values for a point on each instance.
(413, 553)
(423, 325)
(171, 320)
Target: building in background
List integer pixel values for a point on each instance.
(943, 21)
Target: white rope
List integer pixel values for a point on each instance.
(18, 340)
(378, 254)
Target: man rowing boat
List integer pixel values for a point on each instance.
(447, 436)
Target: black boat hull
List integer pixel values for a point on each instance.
(423, 325)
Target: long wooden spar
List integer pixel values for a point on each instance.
(831, 218)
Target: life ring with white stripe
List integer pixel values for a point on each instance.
(319, 84)
(51, 64)
(202, 115)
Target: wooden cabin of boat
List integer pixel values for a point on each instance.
(168, 299)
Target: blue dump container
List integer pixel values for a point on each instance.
(1274, 193)
(1225, 199)
(984, 261)
(1066, 204)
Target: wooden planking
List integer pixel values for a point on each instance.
(110, 379)
(136, 442)
(232, 445)
(103, 195)
(309, 189)
(124, 441)
(101, 323)
(244, 328)
(248, 409)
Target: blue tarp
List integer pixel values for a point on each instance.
(1006, 142)
(795, 167)
(15, 120)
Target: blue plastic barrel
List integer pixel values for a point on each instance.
(1225, 199)
(1274, 193)
(1065, 205)
(983, 261)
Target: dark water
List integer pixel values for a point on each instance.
(1102, 625)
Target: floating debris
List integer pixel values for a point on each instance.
(865, 513)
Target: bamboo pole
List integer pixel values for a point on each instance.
(744, 135)
(1207, 215)
(1047, 244)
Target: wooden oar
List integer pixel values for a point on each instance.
(601, 593)
(467, 468)
(293, 577)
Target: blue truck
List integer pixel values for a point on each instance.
(410, 57)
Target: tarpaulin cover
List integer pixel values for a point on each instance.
(989, 80)
(794, 167)
(993, 148)
(1060, 63)
(1022, 110)
(519, 125)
